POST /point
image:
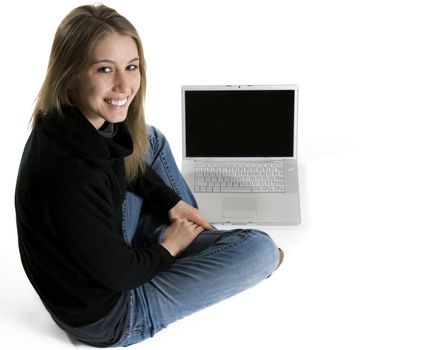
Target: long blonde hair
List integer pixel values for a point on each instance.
(74, 40)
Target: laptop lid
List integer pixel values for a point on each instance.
(239, 121)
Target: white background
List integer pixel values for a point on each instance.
(357, 271)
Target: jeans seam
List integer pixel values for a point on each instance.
(160, 153)
(170, 176)
(206, 253)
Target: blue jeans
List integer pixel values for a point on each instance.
(217, 265)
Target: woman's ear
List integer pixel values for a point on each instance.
(72, 88)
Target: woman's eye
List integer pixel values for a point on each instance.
(132, 67)
(104, 70)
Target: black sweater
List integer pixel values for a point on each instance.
(69, 193)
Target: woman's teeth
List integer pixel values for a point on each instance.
(117, 103)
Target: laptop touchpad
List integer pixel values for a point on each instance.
(239, 208)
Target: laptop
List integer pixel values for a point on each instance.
(239, 152)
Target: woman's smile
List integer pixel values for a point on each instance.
(116, 102)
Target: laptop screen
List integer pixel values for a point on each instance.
(239, 123)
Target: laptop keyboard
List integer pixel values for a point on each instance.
(240, 177)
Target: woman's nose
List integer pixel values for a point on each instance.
(120, 82)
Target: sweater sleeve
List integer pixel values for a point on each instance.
(160, 197)
(85, 222)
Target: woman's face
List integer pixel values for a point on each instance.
(105, 88)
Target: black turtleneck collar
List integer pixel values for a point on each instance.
(108, 130)
(75, 132)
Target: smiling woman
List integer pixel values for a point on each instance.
(109, 232)
(81, 39)
(107, 85)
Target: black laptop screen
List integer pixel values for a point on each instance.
(243, 123)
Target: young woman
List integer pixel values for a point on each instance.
(109, 233)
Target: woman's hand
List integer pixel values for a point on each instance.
(179, 235)
(182, 210)
(186, 223)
